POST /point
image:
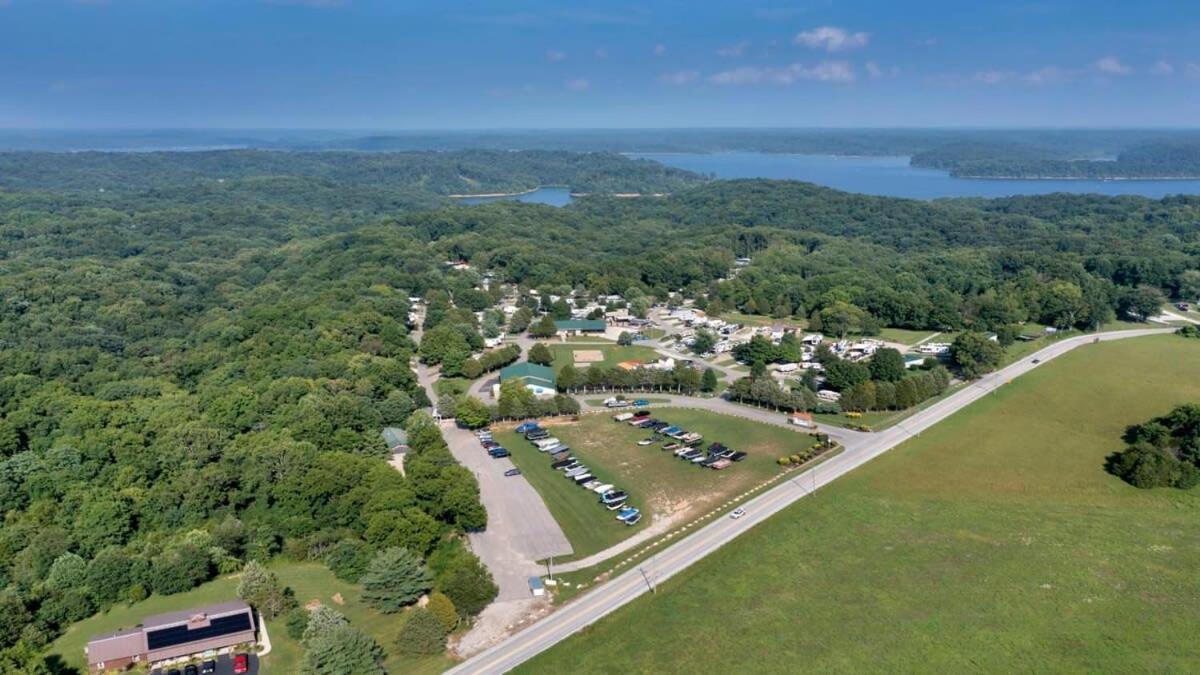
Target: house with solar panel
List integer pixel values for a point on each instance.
(204, 631)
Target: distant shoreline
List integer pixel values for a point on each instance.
(1082, 178)
(496, 195)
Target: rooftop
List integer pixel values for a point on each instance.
(580, 324)
(532, 373)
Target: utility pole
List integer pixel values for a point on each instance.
(550, 568)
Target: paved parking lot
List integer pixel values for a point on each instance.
(520, 529)
(224, 666)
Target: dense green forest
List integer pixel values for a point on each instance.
(1174, 158)
(415, 173)
(194, 374)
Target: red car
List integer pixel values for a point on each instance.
(241, 663)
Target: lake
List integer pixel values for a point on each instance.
(554, 196)
(893, 177)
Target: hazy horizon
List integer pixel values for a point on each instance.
(538, 64)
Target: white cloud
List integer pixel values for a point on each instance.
(1046, 75)
(679, 78)
(1162, 68)
(1112, 66)
(554, 56)
(578, 84)
(826, 71)
(660, 49)
(831, 39)
(994, 76)
(877, 71)
(733, 51)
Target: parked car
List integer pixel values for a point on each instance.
(699, 459)
(737, 456)
(562, 463)
(627, 513)
(612, 496)
(615, 504)
(591, 484)
(737, 513)
(583, 478)
(241, 663)
(601, 488)
(174, 671)
(646, 441)
(526, 427)
(634, 519)
(208, 667)
(641, 413)
(191, 669)
(641, 403)
(498, 453)
(537, 435)
(671, 446)
(513, 472)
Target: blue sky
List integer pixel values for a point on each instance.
(367, 64)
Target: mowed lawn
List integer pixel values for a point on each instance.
(310, 581)
(994, 542)
(658, 483)
(613, 354)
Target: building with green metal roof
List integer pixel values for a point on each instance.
(580, 326)
(539, 379)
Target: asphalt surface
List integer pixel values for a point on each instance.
(520, 529)
(610, 596)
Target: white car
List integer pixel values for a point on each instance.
(737, 513)
(646, 441)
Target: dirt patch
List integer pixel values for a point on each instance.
(338, 599)
(586, 356)
(311, 605)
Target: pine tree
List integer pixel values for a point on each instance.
(343, 650)
(394, 579)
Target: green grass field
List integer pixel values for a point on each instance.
(905, 336)
(658, 483)
(310, 581)
(995, 542)
(760, 320)
(613, 354)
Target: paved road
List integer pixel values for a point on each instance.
(612, 595)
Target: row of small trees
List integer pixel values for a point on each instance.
(900, 395)
(489, 361)
(680, 379)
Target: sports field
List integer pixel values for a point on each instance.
(609, 355)
(994, 542)
(658, 483)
